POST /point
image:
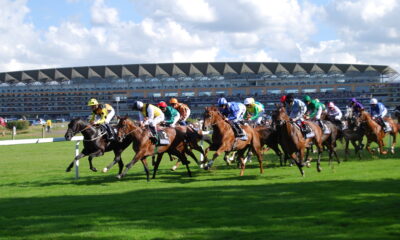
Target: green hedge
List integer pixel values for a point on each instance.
(19, 124)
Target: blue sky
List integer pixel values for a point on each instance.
(64, 33)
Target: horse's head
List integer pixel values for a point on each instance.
(279, 116)
(125, 127)
(210, 117)
(75, 126)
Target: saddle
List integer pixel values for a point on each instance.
(306, 130)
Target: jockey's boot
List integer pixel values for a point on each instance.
(110, 134)
(153, 134)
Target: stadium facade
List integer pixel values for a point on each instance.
(64, 92)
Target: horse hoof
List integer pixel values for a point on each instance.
(68, 170)
(119, 176)
(94, 169)
(308, 164)
(173, 168)
(319, 169)
(105, 170)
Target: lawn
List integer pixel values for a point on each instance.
(358, 199)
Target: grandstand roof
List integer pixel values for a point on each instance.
(187, 69)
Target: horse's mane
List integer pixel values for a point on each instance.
(216, 110)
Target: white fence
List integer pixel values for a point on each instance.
(47, 140)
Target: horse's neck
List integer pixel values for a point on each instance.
(220, 126)
(136, 132)
(87, 131)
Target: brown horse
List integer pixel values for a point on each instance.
(292, 141)
(268, 136)
(375, 133)
(223, 139)
(143, 146)
(353, 133)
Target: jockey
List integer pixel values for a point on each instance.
(234, 112)
(378, 112)
(283, 99)
(172, 116)
(296, 110)
(254, 110)
(334, 114)
(315, 109)
(356, 106)
(183, 110)
(105, 112)
(149, 115)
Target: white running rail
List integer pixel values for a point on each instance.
(47, 140)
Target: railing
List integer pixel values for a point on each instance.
(47, 140)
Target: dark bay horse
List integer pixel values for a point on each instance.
(144, 148)
(292, 141)
(353, 133)
(269, 137)
(95, 144)
(329, 140)
(375, 133)
(224, 141)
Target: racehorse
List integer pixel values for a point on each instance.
(223, 139)
(375, 133)
(291, 138)
(268, 136)
(143, 146)
(329, 140)
(95, 144)
(353, 133)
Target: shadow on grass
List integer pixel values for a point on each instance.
(308, 210)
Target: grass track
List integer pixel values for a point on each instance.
(38, 200)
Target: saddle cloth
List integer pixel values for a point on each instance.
(162, 138)
(326, 129)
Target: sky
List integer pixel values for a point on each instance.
(39, 34)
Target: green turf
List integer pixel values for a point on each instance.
(358, 199)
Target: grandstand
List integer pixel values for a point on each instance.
(64, 92)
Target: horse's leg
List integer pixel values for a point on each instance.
(81, 155)
(381, 144)
(368, 146)
(117, 159)
(156, 164)
(90, 158)
(393, 141)
(146, 169)
(130, 164)
(346, 148)
(258, 153)
(298, 162)
(216, 154)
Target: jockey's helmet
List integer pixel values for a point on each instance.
(222, 101)
(331, 105)
(248, 101)
(283, 99)
(173, 100)
(289, 98)
(162, 104)
(93, 102)
(373, 101)
(353, 100)
(137, 105)
(307, 98)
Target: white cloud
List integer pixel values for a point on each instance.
(204, 30)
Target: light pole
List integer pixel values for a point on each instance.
(117, 99)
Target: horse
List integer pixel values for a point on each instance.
(292, 141)
(329, 140)
(95, 144)
(223, 139)
(269, 137)
(353, 133)
(375, 133)
(143, 146)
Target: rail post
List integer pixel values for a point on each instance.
(77, 161)
(14, 132)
